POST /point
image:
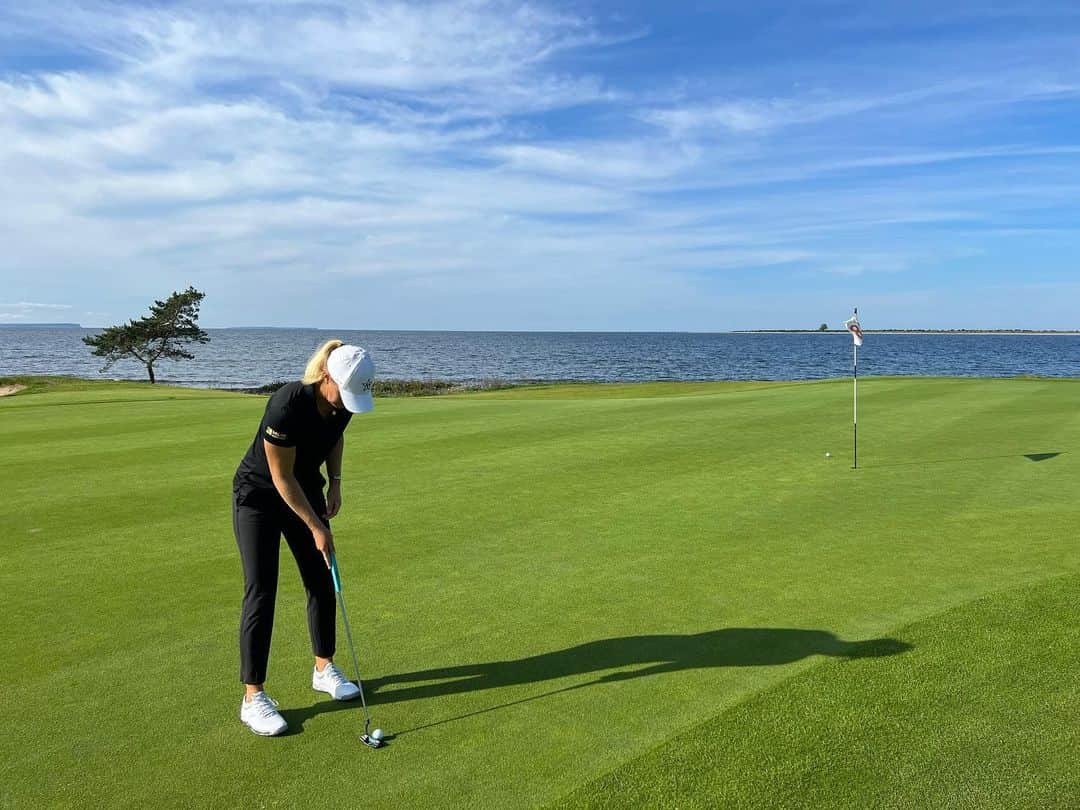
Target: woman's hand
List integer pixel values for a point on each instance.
(333, 499)
(324, 541)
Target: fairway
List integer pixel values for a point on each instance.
(635, 595)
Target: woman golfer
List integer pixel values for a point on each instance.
(278, 490)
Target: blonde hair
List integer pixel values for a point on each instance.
(316, 366)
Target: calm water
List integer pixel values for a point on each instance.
(252, 357)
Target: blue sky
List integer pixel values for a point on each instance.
(577, 166)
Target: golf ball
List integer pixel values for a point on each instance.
(828, 455)
(377, 734)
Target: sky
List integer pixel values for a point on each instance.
(608, 166)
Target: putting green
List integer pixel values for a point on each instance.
(565, 595)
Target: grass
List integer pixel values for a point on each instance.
(980, 712)
(650, 595)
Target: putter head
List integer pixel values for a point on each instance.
(370, 741)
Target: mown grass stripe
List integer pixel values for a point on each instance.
(980, 712)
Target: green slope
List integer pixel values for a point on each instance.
(545, 584)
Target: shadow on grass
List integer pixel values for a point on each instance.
(619, 659)
(651, 655)
(1028, 456)
(296, 717)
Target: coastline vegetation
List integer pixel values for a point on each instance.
(409, 388)
(40, 384)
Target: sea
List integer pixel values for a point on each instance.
(252, 357)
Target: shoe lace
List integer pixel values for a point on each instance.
(265, 705)
(332, 673)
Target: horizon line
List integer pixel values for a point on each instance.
(759, 330)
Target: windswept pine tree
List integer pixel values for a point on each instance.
(171, 325)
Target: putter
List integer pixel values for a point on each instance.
(373, 739)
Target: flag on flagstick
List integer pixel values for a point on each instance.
(852, 325)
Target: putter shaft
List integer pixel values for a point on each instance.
(356, 665)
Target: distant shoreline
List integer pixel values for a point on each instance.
(907, 332)
(41, 326)
(590, 332)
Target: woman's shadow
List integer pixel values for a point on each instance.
(635, 657)
(618, 659)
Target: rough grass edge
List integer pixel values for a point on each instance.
(40, 384)
(414, 388)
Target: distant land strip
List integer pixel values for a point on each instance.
(910, 331)
(721, 331)
(40, 325)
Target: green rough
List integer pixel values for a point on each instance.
(555, 586)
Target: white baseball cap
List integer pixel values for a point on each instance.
(354, 372)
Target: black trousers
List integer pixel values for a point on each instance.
(260, 518)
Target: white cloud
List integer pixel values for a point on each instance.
(27, 311)
(613, 161)
(492, 54)
(957, 97)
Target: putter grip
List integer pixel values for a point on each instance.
(334, 572)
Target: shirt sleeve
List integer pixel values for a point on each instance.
(279, 421)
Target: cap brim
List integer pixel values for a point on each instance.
(357, 403)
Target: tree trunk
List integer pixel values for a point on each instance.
(150, 371)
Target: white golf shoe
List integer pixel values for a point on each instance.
(331, 681)
(260, 714)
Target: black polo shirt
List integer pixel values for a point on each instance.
(292, 419)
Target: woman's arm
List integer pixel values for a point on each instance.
(281, 460)
(333, 472)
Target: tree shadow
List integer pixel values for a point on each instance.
(634, 657)
(1041, 456)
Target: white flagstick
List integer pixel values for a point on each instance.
(855, 404)
(852, 325)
